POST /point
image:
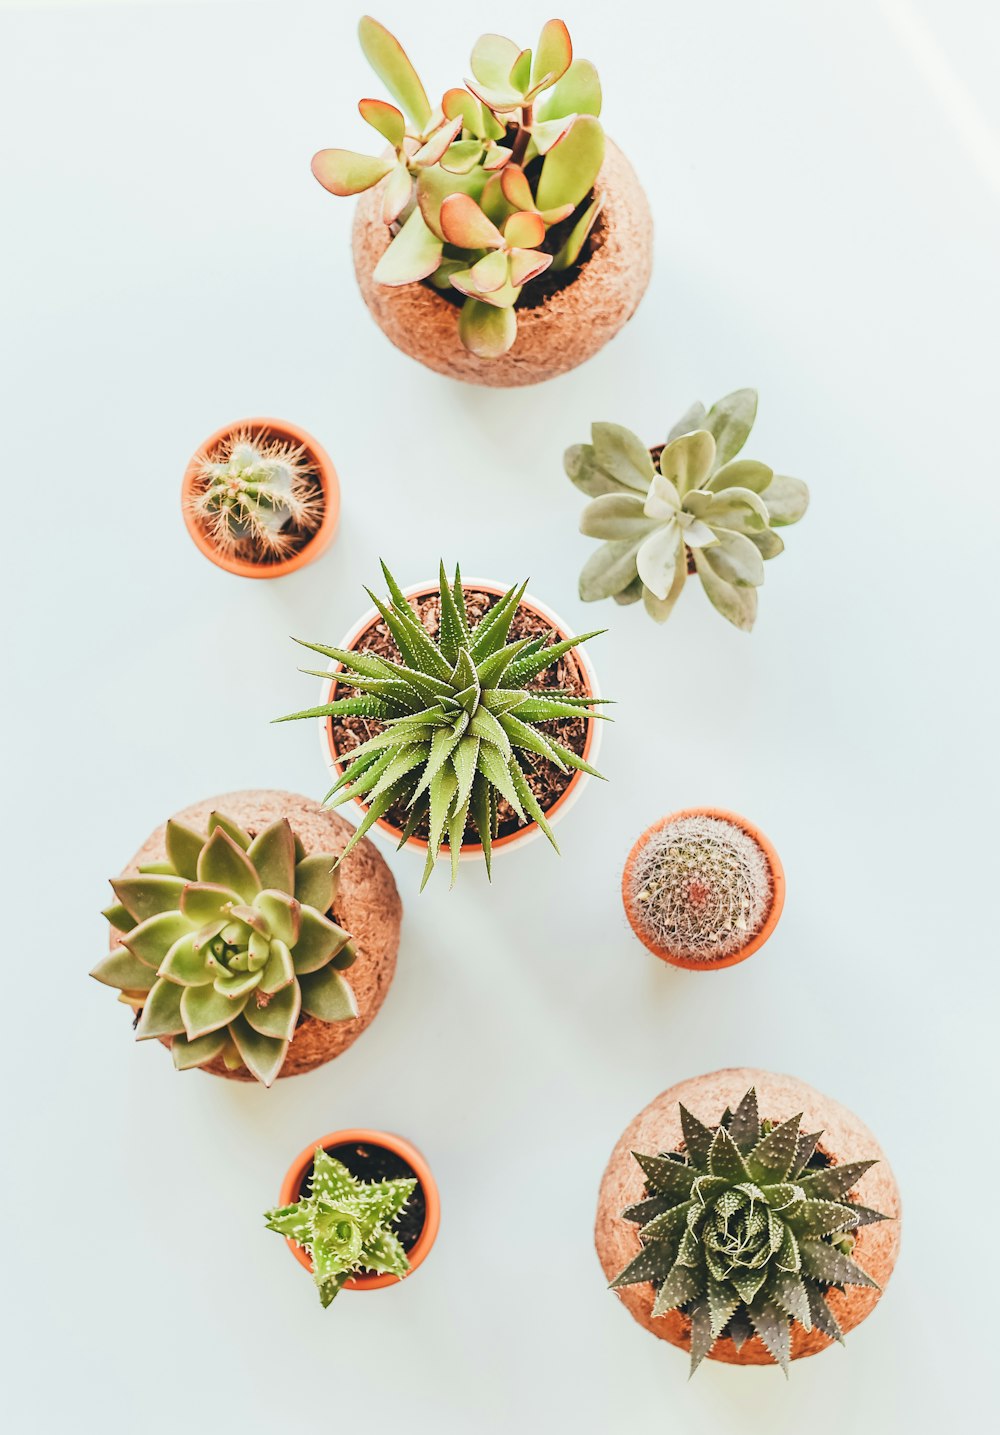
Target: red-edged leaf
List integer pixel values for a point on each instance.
(516, 189)
(431, 152)
(527, 264)
(524, 230)
(344, 172)
(414, 254)
(464, 224)
(396, 193)
(485, 331)
(554, 53)
(385, 118)
(490, 272)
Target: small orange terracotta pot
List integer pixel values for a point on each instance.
(566, 328)
(292, 1185)
(471, 850)
(657, 1129)
(322, 466)
(760, 937)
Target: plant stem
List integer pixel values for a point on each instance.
(523, 135)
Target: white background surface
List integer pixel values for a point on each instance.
(826, 184)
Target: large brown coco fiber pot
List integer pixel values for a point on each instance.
(658, 1128)
(367, 905)
(571, 325)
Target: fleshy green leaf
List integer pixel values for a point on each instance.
(730, 421)
(571, 167)
(413, 255)
(225, 864)
(262, 1055)
(485, 330)
(578, 92)
(786, 498)
(187, 1054)
(278, 1016)
(272, 852)
(144, 897)
(161, 1012)
(328, 996)
(122, 970)
(183, 847)
(344, 172)
(394, 68)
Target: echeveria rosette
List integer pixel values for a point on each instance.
(225, 943)
(521, 147)
(699, 501)
(345, 1224)
(459, 721)
(747, 1231)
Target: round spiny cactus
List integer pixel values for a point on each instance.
(256, 497)
(699, 889)
(224, 944)
(747, 1230)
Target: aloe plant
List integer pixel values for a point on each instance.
(345, 1224)
(226, 942)
(473, 188)
(254, 493)
(459, 727)
(696, 508)
(747, 1230)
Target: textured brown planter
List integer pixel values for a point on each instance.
(658, 1128)
(368, 906)
(570, 326)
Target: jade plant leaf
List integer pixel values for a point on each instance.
(393, 66)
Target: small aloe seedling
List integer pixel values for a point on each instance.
(747, 1231)
(225, 943)
(253, 492)
(486, 191)
(701, 888)
(696, 508)
(459, 724)
(345, 1224)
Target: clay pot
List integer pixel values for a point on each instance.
(283, 431)
(570, 325)
(523, 835)
(755, 942)
(658, 1128)
(292, 1185)
(367, 906)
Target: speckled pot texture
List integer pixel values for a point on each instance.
(367, 905)
(570, 326)
(658, 1128)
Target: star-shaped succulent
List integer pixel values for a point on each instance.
(747, 1230)
(345, 1224)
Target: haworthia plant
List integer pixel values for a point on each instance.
(226, 942)
(254, 494)
(459, 725)
(345, 1224)
(747, 1231)
(473, 188)
(698, 506)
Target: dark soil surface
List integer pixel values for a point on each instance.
(543, 777)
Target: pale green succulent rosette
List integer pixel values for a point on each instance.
(469, 208)
(747, 1231)
(226, 942)
(345, 1224)
(699, 500)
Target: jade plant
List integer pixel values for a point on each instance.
(747, 1231)
(487, 190)
(458, 725)
(694, 507)
(226, 942)
(345, 1224)
(253, 494)
(701, 888)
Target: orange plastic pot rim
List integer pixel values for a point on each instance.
(777, 890)
(475, 849)
(329, 483)
(293, 1181)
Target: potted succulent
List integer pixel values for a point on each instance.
(261, 498)
(500, 238)
(359, 1209)
(745, 1217)
(703, 889)
(689, 506)
(241, 939)
(450, 711)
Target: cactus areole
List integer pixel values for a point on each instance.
(495, 198)
(261, 498)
